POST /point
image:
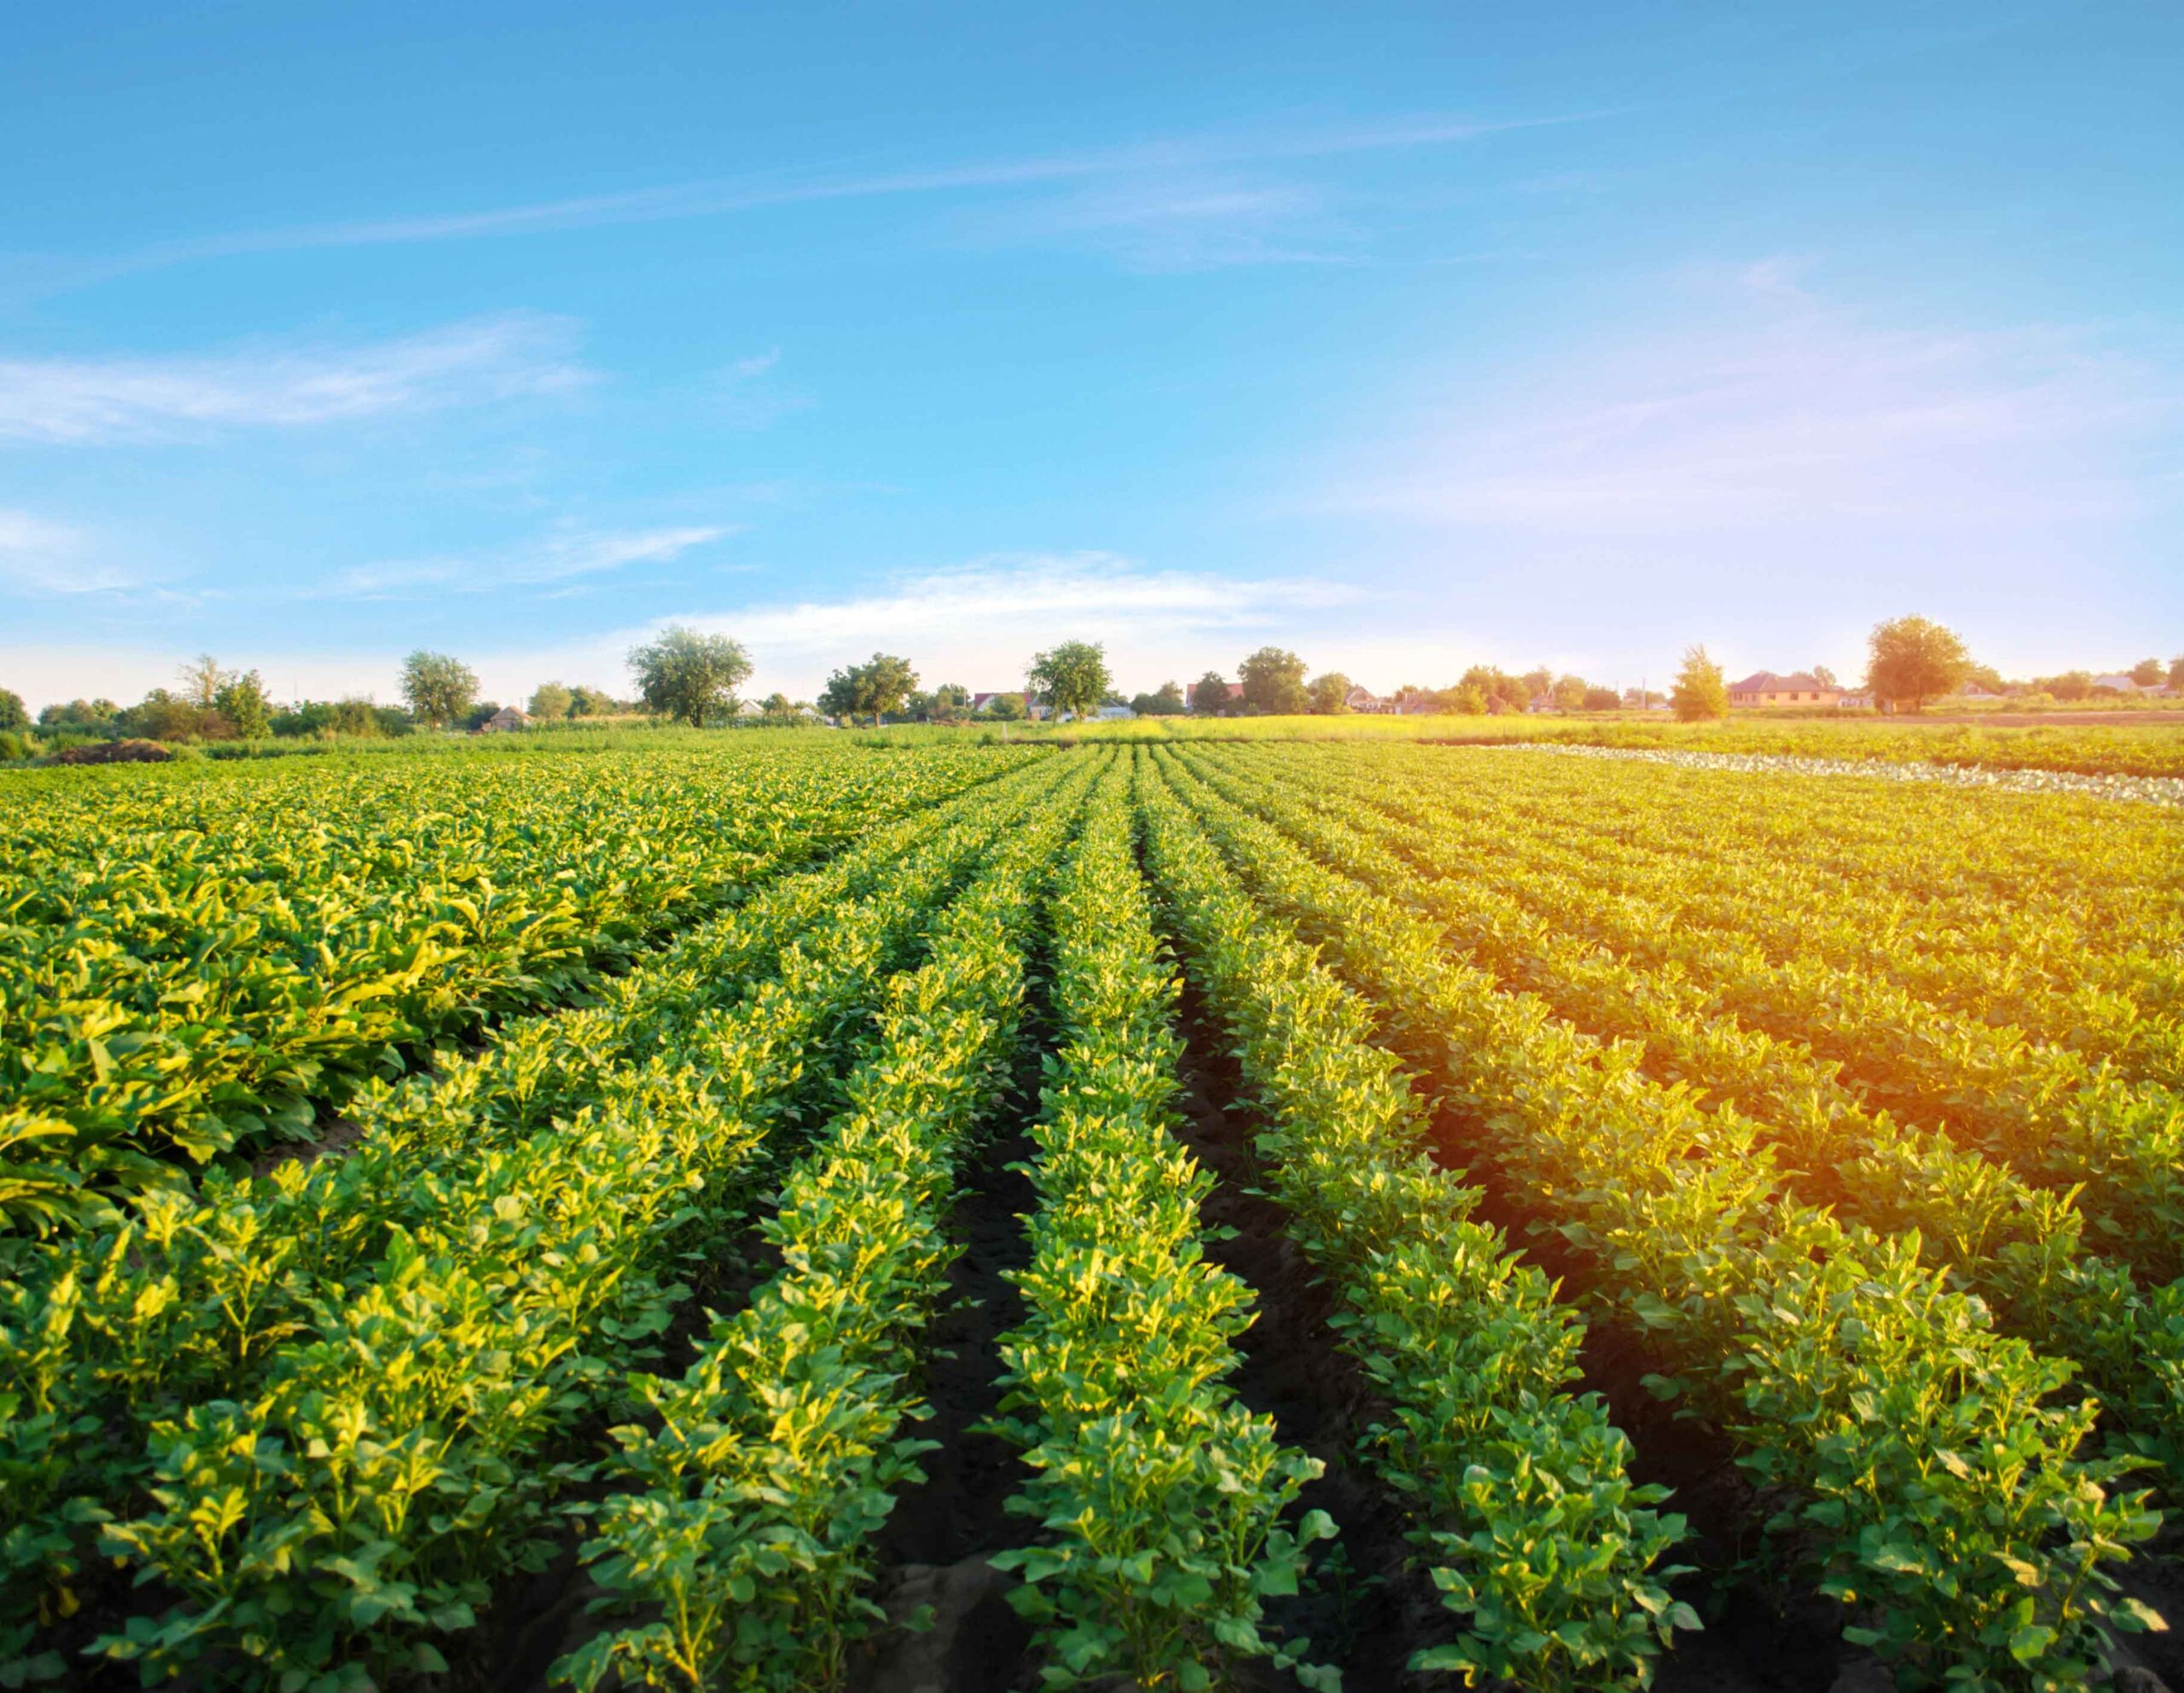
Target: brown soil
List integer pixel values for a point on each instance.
(1364, 1609)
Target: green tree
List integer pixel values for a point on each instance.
(1330, 694)
(1513, 692)
(551, 701)
(1911, 660)
(1273, 682)
(590, 702)
(1699, 694)
(439, 689)
(1007, 708)
(684, 673)
(1537, 683)
(870, 689)
(2146, 673)
(951, 703)
(13, 717)
(163, 715)
(241, 702)
(1568, 693)
(82, 717)
(1072, 678)
(1210, 696)
(2071, 685)
(1470, 700)
(1823, 676)
(2176, 672)
(1165, 701)
(1601, 699)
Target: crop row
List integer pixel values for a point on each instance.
(1519, 1495)
(338, 1369)
(2063, 1119)
(1937, 848)
(2094, 964)
(1921, 1459)
(754, 1486)
(189, 973)
(1159, 1499)
(2018, 1247)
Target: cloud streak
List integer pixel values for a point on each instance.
(83, 402)
(1787, 427)
(723, 196)
(978, 623)
(44, 559)
(559, 558)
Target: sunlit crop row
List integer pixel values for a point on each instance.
(1942, 1490)
(324, 1408)
(192, 972)
(1850, 1115)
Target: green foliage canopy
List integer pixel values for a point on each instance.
(440, 688)
(684, 673)
(1072, 677)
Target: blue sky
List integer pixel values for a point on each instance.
(1404, 336)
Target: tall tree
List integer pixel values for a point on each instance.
(551, 701)
(202, 679)
(1514, 692)
(2176, 671)
(1912, 660)
(439, 689)
(684, 674)
(1823, 676)
(1273, 682)
(590, 702)
(1072, 678)
(871, 689)
(12, 714)
(1165, 701)
(1699, 694)
(1330, 694)
(1536, 681)
(1569, 694)
(242, 703)
(1209, 695)
(2146, 673)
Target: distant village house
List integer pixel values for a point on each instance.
(1764, 688)
(506, 721)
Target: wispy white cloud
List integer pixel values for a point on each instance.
(1785, 428)
(1170, 221)
(979, 625)
(43, 557)
(75, 401)
(749, 396)
(1291, 140)
(562, 558)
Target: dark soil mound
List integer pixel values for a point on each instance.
(114, 752)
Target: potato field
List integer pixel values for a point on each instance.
(790, 1212)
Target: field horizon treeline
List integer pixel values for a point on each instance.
(686, 676)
